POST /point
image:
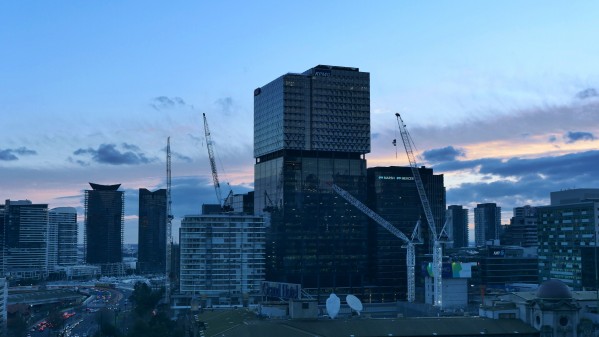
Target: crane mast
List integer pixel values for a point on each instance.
(409, 243)
(212, 161)
(169, 220)
(437, 248)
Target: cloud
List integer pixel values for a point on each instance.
(109, 154)
(552, 139)
(448, 153)
(164, 103)
(225, 104)
(587, 93)
(572, 137)
(519, 181)
(13, 154)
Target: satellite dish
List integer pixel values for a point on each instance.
(333, 305)
(354, 303)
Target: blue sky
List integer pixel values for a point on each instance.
(501, 97)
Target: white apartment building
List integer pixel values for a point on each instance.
(222, 258)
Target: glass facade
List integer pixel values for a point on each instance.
(152, 231)
(25, 239)
(392, 194)
(487, 223)
(458, 229)
(326, 108)
(565, 231)
(312, 130)
(104, 222)
(65, 221)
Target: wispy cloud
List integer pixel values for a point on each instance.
(587, 93)
(13, 154)
(164, 103)
(109, 154)
(572, 137)
(225, 104)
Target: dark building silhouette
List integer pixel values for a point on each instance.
(311, 130)
(392, 194)
(104, 223)
(522, 230)
(458, 227)
(487, 223)
(25, 239)
(151, 254)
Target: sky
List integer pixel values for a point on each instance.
(502, 98)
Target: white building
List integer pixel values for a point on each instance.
(222, 258)
(63, 236)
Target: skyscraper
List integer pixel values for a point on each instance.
(64, 220)
(104, 222)
(458, 228)
(25, 239)
(152, 231)
(487, 223)
(392, 194)
(311, 130)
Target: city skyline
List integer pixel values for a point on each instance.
(499, 97)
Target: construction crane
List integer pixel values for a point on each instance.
(224, 205)
(436, 235)
(169, 220)
(408, 242)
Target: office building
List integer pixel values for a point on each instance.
(522, 230)
(104, 222)
(499, 266)
(487, 223)
(151, 254)
(568, 238)
(312, 130)
(243, 203)
(63, 221)
(222, 258)
(458, 228)
(25, 239)
(3, 305)
(392, 194)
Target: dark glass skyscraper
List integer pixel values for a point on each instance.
(104, 222)
(151, 255)
(311, 130)
(392, 194)
(458, 228)
(487, 223)
(25, 239)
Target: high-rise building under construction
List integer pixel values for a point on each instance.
(311, 130)
(104, 224)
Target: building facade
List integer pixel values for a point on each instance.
(63, 220)
(458, 228)
(104, 224)
(25, 239)
(487, 223)
(151, 255)
(312, 130)
(568, 230)
(222, 258)
(392, 194)
(522, 230)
